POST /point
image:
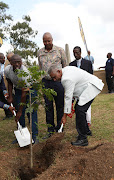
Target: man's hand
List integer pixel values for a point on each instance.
(64, 118)
(18, 115)
(12, 109)
(10, 100)
(6, 95)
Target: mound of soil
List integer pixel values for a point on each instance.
(54, 159)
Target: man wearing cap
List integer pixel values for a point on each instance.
(20, 92)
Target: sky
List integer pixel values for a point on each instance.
(60, 18)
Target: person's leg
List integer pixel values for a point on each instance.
(59, 101)
(109, 83)
(49, 108)
(113, 84)
(16, 103)
(34, 118)
(17, 100)
(81, 122)
(49, 114)
(88, 116)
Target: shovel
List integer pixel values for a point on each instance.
(60, 130)
(22, 134)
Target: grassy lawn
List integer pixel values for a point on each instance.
(102, 124)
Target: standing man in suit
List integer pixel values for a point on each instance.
(48, 55)
(85, 65)
(77, 83)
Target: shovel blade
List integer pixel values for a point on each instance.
(23, 139)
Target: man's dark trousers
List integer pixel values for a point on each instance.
(109, 81)
(81, 122)
(59, 102)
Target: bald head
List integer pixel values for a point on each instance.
(47, 34)
(1, 55)
(55, 71)
(16, 61)
(48, 41)
(15, 57)
(9, 56)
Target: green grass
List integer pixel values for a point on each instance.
(102, 124)
(103, 117)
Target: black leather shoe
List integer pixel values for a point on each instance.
(7, 118)
(14, 142)
(36, 141)
(83, 142)
(89, 133)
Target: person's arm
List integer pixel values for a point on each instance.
(6, 106)
(23, 101)
(10, 88)
(90, 69)
(92, 60)
(102, 67)
(64, 119)
(39, 60)
(113, 71)
(69, 89)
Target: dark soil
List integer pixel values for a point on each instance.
(56, 160)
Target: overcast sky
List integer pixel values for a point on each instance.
(60, 18)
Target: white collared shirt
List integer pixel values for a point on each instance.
(79, 63)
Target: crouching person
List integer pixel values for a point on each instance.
(3, 102)
(21, 94)
(84, 87)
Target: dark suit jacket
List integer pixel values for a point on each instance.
(85, 65)
(2, 87)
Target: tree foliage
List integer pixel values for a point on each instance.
(21, 36)
(4, 20)
(34, 81)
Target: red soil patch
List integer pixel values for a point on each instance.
(56, 160)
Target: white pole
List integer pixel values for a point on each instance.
(67, 53)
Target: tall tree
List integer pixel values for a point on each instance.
(21, 36)
(4, 20)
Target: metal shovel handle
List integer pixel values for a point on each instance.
(18, 124)
(13, 110)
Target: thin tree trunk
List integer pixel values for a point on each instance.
(31, 150)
